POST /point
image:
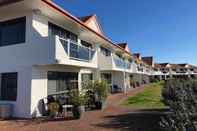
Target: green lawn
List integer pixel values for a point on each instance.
(150, 97)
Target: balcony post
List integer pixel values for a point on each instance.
(68, 48)
(89, 53)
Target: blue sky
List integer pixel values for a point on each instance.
(165, 29)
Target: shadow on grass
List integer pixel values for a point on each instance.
(142, 120)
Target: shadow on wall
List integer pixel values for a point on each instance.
(144, 120)
(39, 110)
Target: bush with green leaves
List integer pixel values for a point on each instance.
(100, 88)
(181, 96)
(76, 97)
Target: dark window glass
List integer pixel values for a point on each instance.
(56, 30)
(9, 86)
(107, 77)
(105, 51)
(61, 81)
(86, 44)
(62, 33)
(12, 31)
(73, 37)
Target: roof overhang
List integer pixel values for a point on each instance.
(54, 12)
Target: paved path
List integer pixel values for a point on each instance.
(113, 118)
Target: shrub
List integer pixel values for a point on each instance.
(100, 88)
(181, 97)
(96, 94)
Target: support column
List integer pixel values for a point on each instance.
(97, 74)
(124, 80)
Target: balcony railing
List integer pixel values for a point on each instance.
(121, 63)
(127, 65)
(140, 69)
(76, 51)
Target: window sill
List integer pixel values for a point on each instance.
(7, 102)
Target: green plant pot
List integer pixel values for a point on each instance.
(101, 105)
(76, 112)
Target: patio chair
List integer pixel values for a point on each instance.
(116, 89)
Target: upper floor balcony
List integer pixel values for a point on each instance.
(73, 53)
(193, 70)
(76, 51)
(110, 61)
(180, 71)
(121, 63)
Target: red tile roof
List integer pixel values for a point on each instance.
(148, 60)
(185, 65)
(175, 66)
(137, 56)
(124, 46)
(161, 65)
(85, 18)
(157, 66)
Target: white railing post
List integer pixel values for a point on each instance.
(68, 48)
(89, 52)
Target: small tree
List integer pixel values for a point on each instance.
(181, 96)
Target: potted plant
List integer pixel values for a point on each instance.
(96, 93)
(101, 89)
(77, 100)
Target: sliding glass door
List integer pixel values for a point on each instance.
(60, 82)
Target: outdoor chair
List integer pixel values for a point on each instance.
(116, 89)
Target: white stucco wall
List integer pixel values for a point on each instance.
(20, 58)
(21, 106)
(104, 62)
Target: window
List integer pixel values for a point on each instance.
(9, 86)
(61, 81)
(73, 37)
(86, 44)
(105, 51)
(86, 77)
(59, 31)
(12, 31)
